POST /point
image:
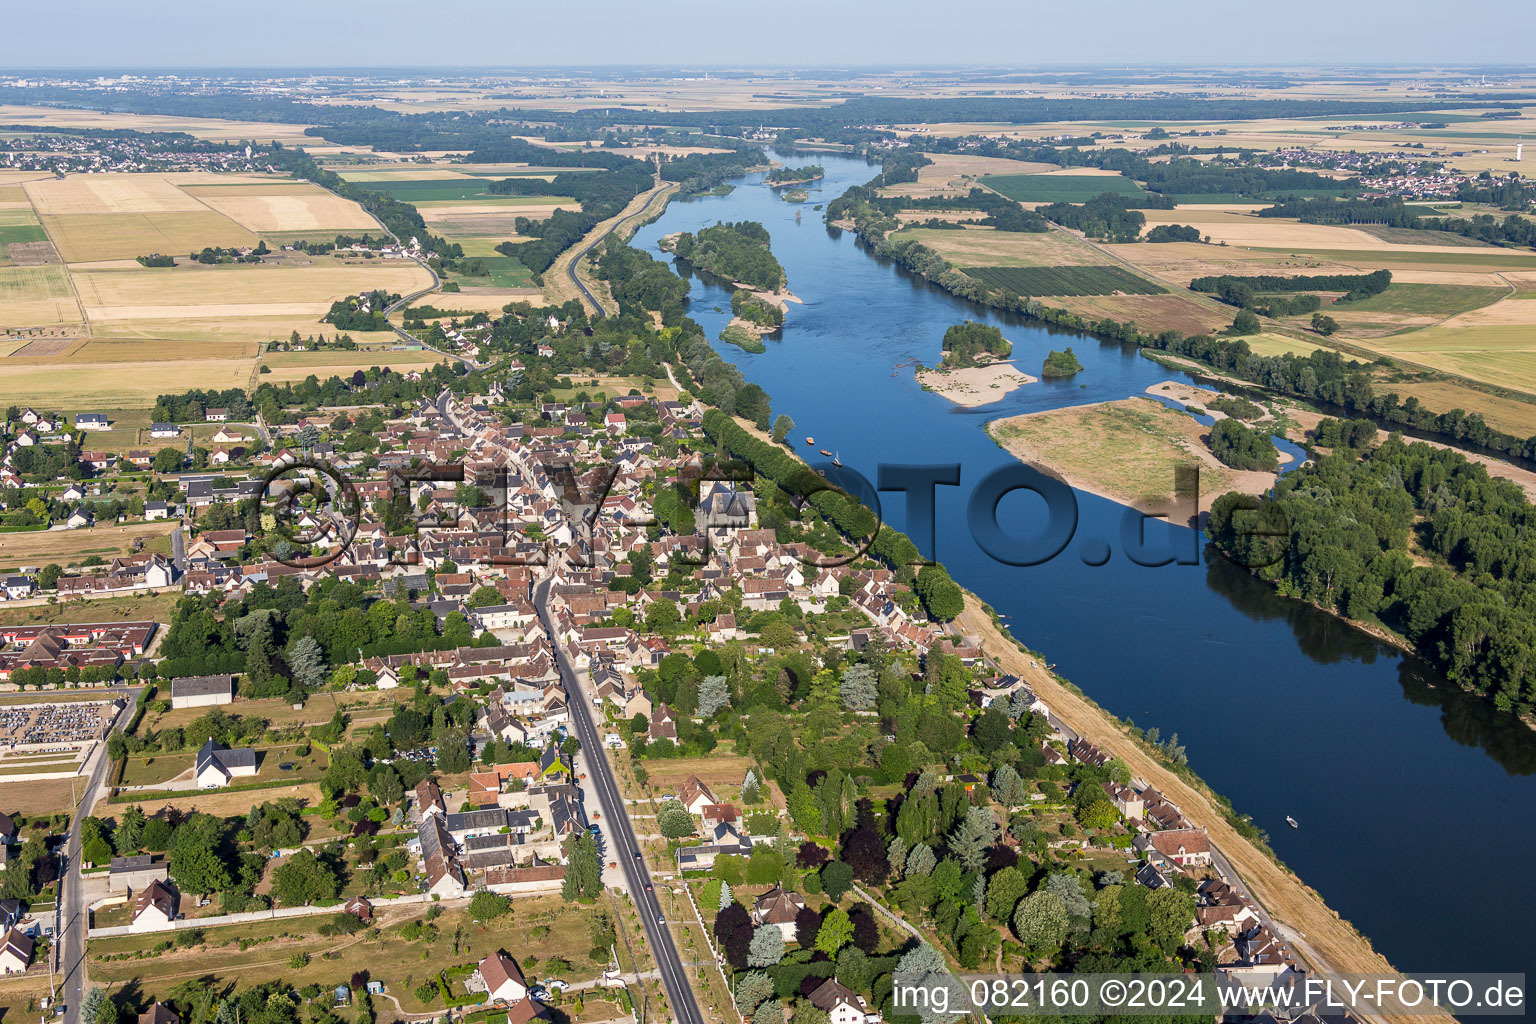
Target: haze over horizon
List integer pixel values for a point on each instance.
(393, 33)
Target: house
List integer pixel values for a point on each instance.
(841, 1004)
(215, 415)
(664, 725)
(154, 908)
(164, 430)
(527, 1010)
(711, 815)
(1183, 847)
(8, 834)
(502, 978)
(694, 795)
(92, 421)
(18, 587)
(202, 691)
(132, 874)
(15, 953)
(159, 1014)
(359, 907)
(80, 517)
(778, 907)
(156, 510)
(1126, 800)
(217, 765)
(429, 799)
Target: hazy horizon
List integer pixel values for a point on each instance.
(392, 34)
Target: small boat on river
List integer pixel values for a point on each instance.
(810, 441)
(1291, 821)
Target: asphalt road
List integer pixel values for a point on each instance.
(73, 918)
(570, 269)
(619, 835)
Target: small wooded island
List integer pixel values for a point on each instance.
(972, 344)
(1061, 364)
(795, 175)
(737, 252)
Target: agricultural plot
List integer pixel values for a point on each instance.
(985, 247)
(456, 189)
(68, 547)
(36, 297)
(292, 366)
(267, 210)
(1060, 188)
(86, 237)
(1081, 280)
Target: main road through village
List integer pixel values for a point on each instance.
(620, 834)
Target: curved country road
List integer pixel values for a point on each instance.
(570, 268)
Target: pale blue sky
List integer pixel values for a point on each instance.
(1022, 33)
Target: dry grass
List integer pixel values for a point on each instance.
(70, 546)
(138, 608)
(83, 384)
(715, 770)
(984, 247)
(249, 288)
(1179, 311)
(1125, 451)
(36, 297)
(81, 194)
(956, 173)
(314, 210)
(47, 797)
(115, 236)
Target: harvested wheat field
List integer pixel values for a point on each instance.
(76, 384)
(957, 173)
(36, 297)
(313, 209)
(984, 247)
(109, 193)
(291, 366)
(117, 236)
(294, 290)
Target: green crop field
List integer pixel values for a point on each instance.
(22, 233)
(506, 272)
(1102, 280)
(429, 189)
(1438, 300)
(1060, 188)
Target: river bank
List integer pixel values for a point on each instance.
(1317, 931)
(1127, 451)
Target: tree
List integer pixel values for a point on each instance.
(1041, 921)
(385, 785)
(752, 989)
(1007, 786)
(1004, 890)
(782, 426)
(836, 880)
(129, 834)
(920, 861)
(453, 754)
(303, 879)
(836, 931)
(583, 869)
(991, 729)
(733, 932)
(1170, 913)
(941, 596)
(168, 460)
(307, 662)
(1246, 322)
(194, 862)
(1324, 324)
(767, 947)
(674, 821)
(487, 906)
(858, 687)
(751, 789)
(973, 837)
(714, 694)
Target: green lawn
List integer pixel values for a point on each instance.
(1438, 300)
(505, 272)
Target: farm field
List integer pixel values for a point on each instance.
(1076, 187)
(36, 297)
(76, 383)
(1069, 280)
(505, 272)
(986, 247)
(69, 547)
(956, 174)
(211, 128)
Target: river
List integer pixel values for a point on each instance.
(1409, 794)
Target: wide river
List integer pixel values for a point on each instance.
(1415, 802)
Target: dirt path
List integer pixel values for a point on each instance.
(1317, 932)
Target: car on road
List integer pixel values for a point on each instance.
(637, 855)
(660, 919)
(647, 886)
